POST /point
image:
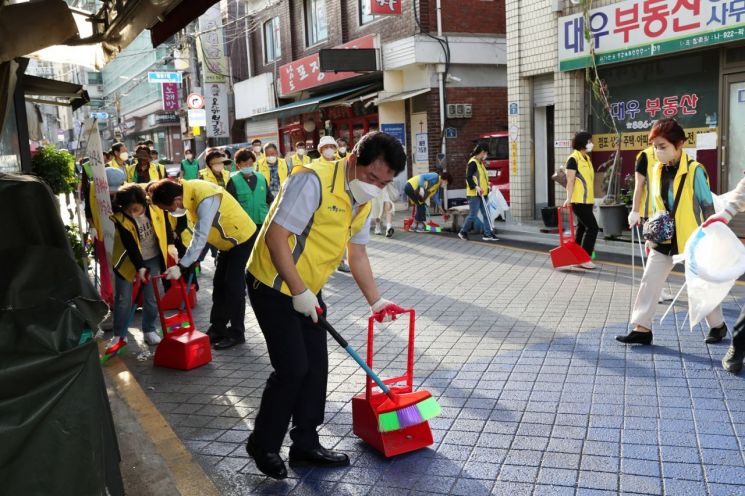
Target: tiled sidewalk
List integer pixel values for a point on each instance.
(538, 398)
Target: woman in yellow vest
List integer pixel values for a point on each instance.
(580, 193)
(215, 172)
(273, 168)
(220, 221)
(477, 189)
(144, 170)
(322, 208)
(679, 186)
(420, 189)
(641, 204)
(142, 243)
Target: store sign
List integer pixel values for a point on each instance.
(422, 148)
(197, 117)
(217, 111)
(385, 7)
(636, 29)
(170, 97)
(164, 77)
(254, 96)
(211, 46)
(695, 139)
(306, 73)
(398, 131)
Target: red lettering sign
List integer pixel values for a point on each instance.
(385, 7)
(305, 73)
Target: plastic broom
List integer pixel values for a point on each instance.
(399, 410)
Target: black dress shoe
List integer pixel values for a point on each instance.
(215, 335)
(228, 342)
(319, 457)
(636, 337)
(270, 464)
(732, 361)
(716, 334)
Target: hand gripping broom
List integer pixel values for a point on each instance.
(399, 410)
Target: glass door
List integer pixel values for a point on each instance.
(733, 144)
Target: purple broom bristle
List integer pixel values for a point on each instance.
(409, 416)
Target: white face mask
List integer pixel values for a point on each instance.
(247, 171)
(329, 153)
(363, 192)
(665, 156)
(124, 156)
(589, 147)
(257, 149)
(301, 152)
(218, 168)
(179, 212)
(189, 156)
(342, 150)
(271, 160)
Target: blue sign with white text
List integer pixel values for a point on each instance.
(398, 131)
(164, 77)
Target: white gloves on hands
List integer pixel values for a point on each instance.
(634, 219)
(173, 273)
(385, 310)
(173, 252)
(306, 304)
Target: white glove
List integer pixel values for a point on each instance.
(173, 273)
(385, 310)
(634, 218)
(92, 231)
(479, 191)
(421, 193)
(142, 275)
(173, 252)
(306, 303)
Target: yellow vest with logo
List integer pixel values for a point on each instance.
(120, 258)
(645, 207)
(231, 227)
(483, 178)
(156, 172)
(263, 167)
(318, 251)
(116, 165)
(208, 175)
(415, 183)
(688, 216)
(298, 162)
(584, 182)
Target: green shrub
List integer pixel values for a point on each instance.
(56, 168)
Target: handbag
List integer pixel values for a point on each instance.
(660, 228)
(560, 177)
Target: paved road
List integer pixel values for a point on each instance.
(537, 396)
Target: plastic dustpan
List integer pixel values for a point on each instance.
(568, 252)
(183, 346)
(173, 300)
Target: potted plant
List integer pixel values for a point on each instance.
(613, 210)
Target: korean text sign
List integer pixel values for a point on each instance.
(306, 73)
(643, 28)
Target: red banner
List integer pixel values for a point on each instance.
(305, 73)
(385, 7)
(170, 96)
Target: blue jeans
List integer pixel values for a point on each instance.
(123, 302)
(476, 205)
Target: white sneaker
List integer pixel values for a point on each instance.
(665, 296)
(152, 338)
(588, 266)
(378, 231)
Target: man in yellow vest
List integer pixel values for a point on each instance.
(300, 157)
(144, 170)
(121, 155)
(220, 221)
(274, 169)
(321, 210)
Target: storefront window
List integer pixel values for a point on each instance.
(315, 21)
(10, 153)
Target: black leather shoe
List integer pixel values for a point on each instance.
(228, 342)
(215, 335)
(636, 337)
(318, 457)
(270, 464)
(716, 334)
(732, 361)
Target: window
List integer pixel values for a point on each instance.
(272, 43)
(365, 16)
(315, 21)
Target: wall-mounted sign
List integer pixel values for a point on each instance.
(197, 117)
(211, 46)
(397, 130)
(636, 29)
(421, 153)
(217, 111)
(451, 133)
(164, 77)
(514, 109)
(384, 7)
(170, 97)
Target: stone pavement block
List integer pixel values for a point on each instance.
(640, 484)
(508, 488)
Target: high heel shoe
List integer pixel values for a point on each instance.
(636, 337)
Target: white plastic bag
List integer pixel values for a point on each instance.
(714, 259)
(496, 204)
(721, 201)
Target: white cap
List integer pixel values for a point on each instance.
(115, 177)
(326, 140)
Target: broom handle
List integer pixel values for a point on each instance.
(343, 343)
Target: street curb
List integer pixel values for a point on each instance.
(186, 474)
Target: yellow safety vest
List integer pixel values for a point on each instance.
(156, 172)
(415, 183)
(263, 167)
(584, 182)
(185, 234)
(298, 162)
(231, 227)
(688, 216)
(116, 165)
(645, 207)
(483, 178)
(206, 174)
(120, 258)
(320, 248)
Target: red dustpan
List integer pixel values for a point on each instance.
(568, 252)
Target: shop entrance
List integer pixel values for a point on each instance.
(733, 141)
(543, 118)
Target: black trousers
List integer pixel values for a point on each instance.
(296, 389)
(229, 290)
(421, 208)
(738, 333)
(587, 226)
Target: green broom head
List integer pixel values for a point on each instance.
(112, 351)
(409, 409)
